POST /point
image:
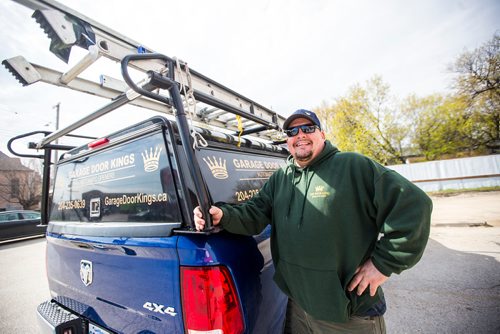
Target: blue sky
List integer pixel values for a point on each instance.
(283, 54)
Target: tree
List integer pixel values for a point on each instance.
(23, 187)
(440, 125)
(19, 185)
(478, 82)
(368, 121)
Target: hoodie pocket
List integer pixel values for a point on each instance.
(318, 292)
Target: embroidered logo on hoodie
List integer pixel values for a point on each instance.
(319, 192)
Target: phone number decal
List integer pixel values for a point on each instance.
(245, 195)
(71, 204)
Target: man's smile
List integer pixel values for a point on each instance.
(302, 143)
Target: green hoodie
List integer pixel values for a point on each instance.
(329, 218)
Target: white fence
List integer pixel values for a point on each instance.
(461, 173)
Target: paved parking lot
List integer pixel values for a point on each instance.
(466, 209)
(23, 285)
(455, 288)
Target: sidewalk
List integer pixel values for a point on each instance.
(455, 288)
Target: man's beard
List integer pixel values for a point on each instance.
(303, 156)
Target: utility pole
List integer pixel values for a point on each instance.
(57, 107)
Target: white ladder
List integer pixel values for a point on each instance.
(212, 104)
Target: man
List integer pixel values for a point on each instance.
(341, 225)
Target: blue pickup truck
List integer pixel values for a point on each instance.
(122, 252)
(122, 256)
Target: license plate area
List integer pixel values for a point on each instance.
(94, 329)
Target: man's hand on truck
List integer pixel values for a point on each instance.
(199, 222)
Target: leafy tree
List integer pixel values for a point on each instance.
(367, 121)
(440, 126)
(478, 82)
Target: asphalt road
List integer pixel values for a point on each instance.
(23, 285)
(455, 288)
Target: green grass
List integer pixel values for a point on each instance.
(453, 192)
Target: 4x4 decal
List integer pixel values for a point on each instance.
(158, 308)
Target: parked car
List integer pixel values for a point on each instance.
(20, 224)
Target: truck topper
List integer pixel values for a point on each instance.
(122, 252)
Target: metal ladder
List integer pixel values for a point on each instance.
(216, 105)
(170, 86)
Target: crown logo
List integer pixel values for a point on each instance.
(218, 168)
(151, 159)
(320, 192)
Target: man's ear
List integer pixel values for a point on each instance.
(323, 135)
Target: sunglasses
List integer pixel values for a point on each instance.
(292, 132)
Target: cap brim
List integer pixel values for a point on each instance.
(294, 117)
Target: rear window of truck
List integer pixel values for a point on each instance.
(130, 182)
(235, 177)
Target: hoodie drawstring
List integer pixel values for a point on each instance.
(288, 167)
(295, 181)
(308, 183)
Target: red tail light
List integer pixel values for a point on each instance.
(209, 301)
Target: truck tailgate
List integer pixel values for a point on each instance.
(128, 284)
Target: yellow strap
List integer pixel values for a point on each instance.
(240, 128)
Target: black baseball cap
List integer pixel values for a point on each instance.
(302, 113)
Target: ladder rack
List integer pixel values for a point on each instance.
(210, 103)
(214, 104)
